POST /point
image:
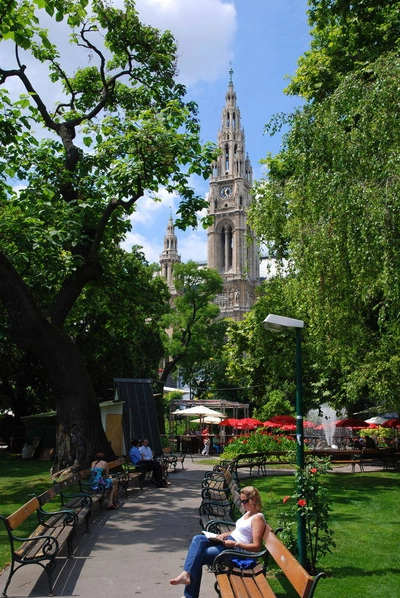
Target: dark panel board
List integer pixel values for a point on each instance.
(139, 411)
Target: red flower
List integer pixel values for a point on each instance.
(245, 441)
(285, 499)
(302, 502)
(314, 470)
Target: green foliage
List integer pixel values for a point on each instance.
(383, 436)
(119, 126)
(275, 405)
(312, 500)
(263, 361)
(346, 37)
(334, 189)
(258, 442)
(195, 331)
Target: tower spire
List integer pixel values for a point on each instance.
(170, 255)
(232, 247)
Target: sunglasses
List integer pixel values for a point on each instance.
(245, 501)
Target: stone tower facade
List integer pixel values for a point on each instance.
(169, 256)
(232, 247)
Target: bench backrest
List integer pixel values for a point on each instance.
(69, 481)
(116, 463)
(15, 519)
(295, 573)
(45, 497)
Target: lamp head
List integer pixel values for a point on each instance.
(276, 323)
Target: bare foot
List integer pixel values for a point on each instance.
(183, 578)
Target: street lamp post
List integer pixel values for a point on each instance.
(277, 323)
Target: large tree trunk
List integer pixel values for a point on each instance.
(79, 430)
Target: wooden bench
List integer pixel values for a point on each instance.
(233, 582)
(115, 468)
(171, 459)
(130, 473)
(248, 461)
(222, 507)
(372, 456)
(339, 457)
(218, 488)
(44, 544)
(79, 502)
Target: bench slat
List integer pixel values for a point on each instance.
(252, 583)
(297, 575)
(20, 515)
(263, 586)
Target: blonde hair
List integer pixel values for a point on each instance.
(251, 492)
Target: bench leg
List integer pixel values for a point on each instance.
(9, 579)
(87, 516)
(49, 568)
(70, 543)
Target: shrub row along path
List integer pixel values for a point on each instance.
(134, 550)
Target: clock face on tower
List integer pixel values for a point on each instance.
(225, 191)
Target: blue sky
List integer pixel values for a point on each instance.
(263, 40)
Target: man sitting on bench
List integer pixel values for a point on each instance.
(137, 457)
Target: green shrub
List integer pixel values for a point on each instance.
(259, 441)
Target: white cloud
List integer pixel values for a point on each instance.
(151, 247)
(204, 30)
(149, 210)
(193, 246)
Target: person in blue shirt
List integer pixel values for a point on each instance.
(136, 458)
(134, 454)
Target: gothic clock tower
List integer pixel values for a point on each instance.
(232, 247)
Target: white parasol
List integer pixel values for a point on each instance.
(208, 419)
(201, 410)
(376, 420)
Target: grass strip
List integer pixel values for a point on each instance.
(366, 524)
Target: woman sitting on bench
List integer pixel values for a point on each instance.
(100, 480)
(247, 535)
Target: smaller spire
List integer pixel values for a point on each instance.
(230, 75)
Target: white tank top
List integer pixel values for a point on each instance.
(243, 531)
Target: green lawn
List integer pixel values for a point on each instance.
(18, 478)
(365, 518)
(366, 521)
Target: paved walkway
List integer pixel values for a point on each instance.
(132, 551)
(135, 550)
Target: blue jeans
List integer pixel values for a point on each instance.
(201, 552)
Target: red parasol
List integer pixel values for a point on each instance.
(230, 421)
(351, 422)
(391, 423)
(248, 422)
(277, 421)
(288, 427)
(307, 424)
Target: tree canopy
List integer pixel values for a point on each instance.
(328, 212)
(346, 37)
(194, 332)
(76, 156)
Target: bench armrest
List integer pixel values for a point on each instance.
(69, 517)
(223, 561)
(214, 525)
(86, 499)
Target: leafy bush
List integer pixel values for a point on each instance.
(383, 436)
(258, 442)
